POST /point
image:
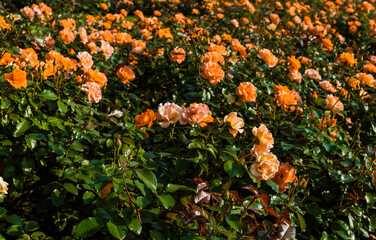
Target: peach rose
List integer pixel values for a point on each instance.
(106, 49)
(218, 49)
(327, 86)
(334, 103)
(348, 58)
(295, 75)
(122, 38)
(49, 42)
(268, 57)
(294, 64)
(354, 83)
(168, 113)
(264, 136)
(93, 91)
(247, 91)
(83, 35)
(17, 79)
(266, 167)
(177, 55)
(145, 119)
(366, 79)
(86, 61)
(3, 186)
(327, 44)
(312, 74)
(212, 72)
(236, 123)
(214, 57)
(126, 74)
(97, 77)
(93, 47)
(285, 174)
(259, 149)
(194, 114)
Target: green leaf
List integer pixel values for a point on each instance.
(234, 222)
(330, 147)
(286, 146)
(301, 222)
(341, 228)
(70, 188)
(38, 236)
(31, 142)
(117, 230)
(370, 198)
(14, 230)
(31, 226)
(148, 178)
(13, 219)
(176, 187)
(88, 197)
(5, 103)
(233, 168)
(167, 200)
(88, 227)
(21, 127)
(62, 107)
(135, 226)
(57, 198)
(48, 94)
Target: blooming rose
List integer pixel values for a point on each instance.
(168, 113)
(28, 12)
(313, 74)
(366, 79)
(97, 77)
(327, 86)
(268, 57)
(106, 49)
(295, 75)
(126, 74)
(49, 42)
(327, 44)
(145, 119)
(214, 57)
(86, 61)
(266, 167)
(177, 55)
(67, 36)
(348, 58)
(236, 123)
(83, 35)
(17, 79)
(212, 72)
(334, 103)
(264, 136)
(218, 49)
(194, 114)
(354, 83)
(93, 91)
(3, 186)
(285, 174)
(247, 91)
(259, 149)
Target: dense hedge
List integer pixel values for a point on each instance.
(187, 119)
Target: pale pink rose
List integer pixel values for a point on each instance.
(168, 113)
(327, 86)
(268, 57)
(83, 35)
(264, 136)
(334, 103)
(313, 74)
(86, 61)
(295, 75)
(93, 91)
(236, 123)
(28, 12)
(235, 23)
(266, 167)
(106, 49)
(194, 114)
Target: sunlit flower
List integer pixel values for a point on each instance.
(145, 119)
(126, 74)
(247, 91)
(212, 72)
(168, 113)
(3, 186)
(177, 55)
(285, 175)
(266, 167)
(236, 123)
(17, 79)
(93, 91)
(194, 114)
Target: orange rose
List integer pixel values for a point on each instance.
(28, 12)
(295, 75)
(83, 35)
(6, 59)
(4, 24)
(212, 72)
(145, 119)
(268, 57)
(285, 174)
(327, 44)
(122, 38)
(104, 6)
(86, 61)
(266, 167)
(369, 67)
(177, 55)
(259, 149)
(294, 64)
(67, 36)
(97, 77)
(17, 79)
(236, 123)
(366, 79)
(313, 74)
(168, 113)
(194, 114)
(49, 42)
(264, 136)
(106, 49)
(126, 74)
(50, 69)
(285, 97)
(214, 57)
(247, 91)
(93, 91)
(354, 83)
(218, 49)
(348, 58)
